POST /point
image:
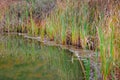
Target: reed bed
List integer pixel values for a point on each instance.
(93, 25)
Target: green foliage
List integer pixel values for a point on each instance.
(87, 68)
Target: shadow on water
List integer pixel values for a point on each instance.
(25, 59)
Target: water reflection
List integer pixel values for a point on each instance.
(26, 59)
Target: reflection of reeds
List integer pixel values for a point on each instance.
(17, 53)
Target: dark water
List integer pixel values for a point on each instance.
(25, 59)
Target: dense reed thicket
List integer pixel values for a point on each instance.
(86, 24)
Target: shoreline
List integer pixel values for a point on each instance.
(79, 53)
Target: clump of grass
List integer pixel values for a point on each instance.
(68, 18)
(50, 30)
(23, 18)
(108, 50)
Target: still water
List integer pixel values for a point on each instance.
(25, 59)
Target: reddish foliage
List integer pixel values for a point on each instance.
(116, 75)
(5, 3)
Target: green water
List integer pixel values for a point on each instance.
(25, 59)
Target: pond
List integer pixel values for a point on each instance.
(25, 59)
